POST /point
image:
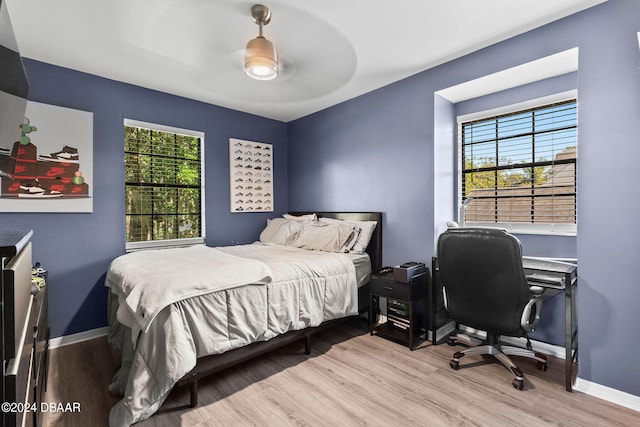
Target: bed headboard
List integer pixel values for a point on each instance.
(375, 245)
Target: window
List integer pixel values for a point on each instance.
(163, 185)
(518, 170)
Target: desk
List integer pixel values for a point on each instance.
(563, 277)
(554, 276)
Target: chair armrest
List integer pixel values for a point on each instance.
(531, 312)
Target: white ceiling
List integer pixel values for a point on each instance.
(332, 50)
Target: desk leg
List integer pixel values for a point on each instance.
(434, 295)
(570, 310)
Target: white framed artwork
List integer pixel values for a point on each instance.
(250, 176)
(50, 169)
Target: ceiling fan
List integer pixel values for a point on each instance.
(261, 57)
(296, 55)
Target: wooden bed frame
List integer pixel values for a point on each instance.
(211, 364)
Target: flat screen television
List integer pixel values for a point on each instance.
(14, 86)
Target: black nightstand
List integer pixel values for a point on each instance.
(406, 308)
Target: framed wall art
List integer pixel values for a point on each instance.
(50, 167)
(251, 176)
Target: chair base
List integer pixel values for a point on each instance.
(500, 352)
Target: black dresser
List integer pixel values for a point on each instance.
(24, 331)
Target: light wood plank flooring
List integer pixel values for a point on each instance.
(350, 379)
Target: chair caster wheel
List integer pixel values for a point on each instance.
(519, 384)
(542, 366)
(454, 365)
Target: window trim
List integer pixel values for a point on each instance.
(180, 242)
(517, 228)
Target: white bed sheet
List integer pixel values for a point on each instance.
(362, 263)
(307, 288)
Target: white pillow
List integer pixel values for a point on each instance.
(311, 217)
(366, 231)
(328, 237)
(280, 231)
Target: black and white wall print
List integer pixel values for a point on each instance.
(251, 176)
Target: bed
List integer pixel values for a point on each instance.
(280, 289)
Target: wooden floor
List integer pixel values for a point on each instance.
(350, 379)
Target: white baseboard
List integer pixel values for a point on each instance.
(609, 394)
(79, 337)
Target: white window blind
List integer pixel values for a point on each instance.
(163, 186)
(519, 169)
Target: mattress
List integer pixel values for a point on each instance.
(306, 289)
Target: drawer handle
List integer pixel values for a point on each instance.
(389, 288)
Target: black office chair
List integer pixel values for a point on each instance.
(486, 289)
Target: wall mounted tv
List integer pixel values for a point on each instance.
(14, 86)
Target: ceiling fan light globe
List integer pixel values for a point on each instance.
(261, 59)
(261, 72)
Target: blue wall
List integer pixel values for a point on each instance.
(371, 153)
(77, 248)
(376, 152)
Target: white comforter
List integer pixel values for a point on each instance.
(148, 281)
(306, 289)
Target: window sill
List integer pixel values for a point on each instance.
(164, 244)
(566, 230)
